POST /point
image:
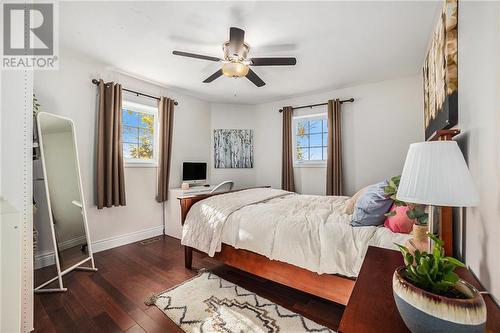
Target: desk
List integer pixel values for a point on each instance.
(173, 209)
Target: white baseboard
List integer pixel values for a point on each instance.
(72, 242)
(44, 259)
(109, 243)
(47, 258)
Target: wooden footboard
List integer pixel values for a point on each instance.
(328, 286)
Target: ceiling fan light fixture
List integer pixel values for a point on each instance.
(235, 62)
(235, 52)
(235, 69)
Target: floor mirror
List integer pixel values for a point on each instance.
(72, 248)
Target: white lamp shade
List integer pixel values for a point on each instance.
(435, 173)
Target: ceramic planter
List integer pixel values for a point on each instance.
(424, 312)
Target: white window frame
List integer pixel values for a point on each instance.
(307, 163)
(138, 107)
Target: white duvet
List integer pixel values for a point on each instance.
(308, 231)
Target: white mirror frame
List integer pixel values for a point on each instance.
(77, 266)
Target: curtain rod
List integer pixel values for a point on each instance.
(96, 82)
(350, 100)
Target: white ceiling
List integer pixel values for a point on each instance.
(336, 44)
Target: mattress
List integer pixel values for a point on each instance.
(307, 231)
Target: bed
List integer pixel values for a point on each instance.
(302, 241)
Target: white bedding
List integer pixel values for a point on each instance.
(308, 231)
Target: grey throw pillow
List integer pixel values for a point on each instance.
(371, 206)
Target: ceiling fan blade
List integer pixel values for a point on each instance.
(194, 55)
(255, 78)
(236, 37)
(213, 76)
(273, 61)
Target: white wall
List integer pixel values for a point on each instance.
(377, 129)
(232, 116)
(69, 92)
(479, 108)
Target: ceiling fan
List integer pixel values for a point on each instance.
(235, 62)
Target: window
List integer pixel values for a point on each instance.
(310, 139)
(139, 133)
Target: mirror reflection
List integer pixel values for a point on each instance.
(63, 183)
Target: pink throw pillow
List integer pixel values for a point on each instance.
(400, 222)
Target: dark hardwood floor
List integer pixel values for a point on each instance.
(112, 299)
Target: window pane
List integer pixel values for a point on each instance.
(147, 121)
(325, 125)
(315, 154)
(302, 154)
(145, 147)
(315, 140)
(302, 127)
(325, 153)
(145, 152)
(315, 126)
(325, 139)
(130, 134)
(141, 151)
(302, 141)
(145, 136)
(130, 118)
(129, 150)
(311, 136)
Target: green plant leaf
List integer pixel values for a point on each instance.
(451, 277)
(431, 271)
(419, 210)
(435, 239)
(454, 261)
(422, 220)
(418, 255)
(408, 259)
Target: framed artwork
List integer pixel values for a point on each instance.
(233, 148)
(440, 73)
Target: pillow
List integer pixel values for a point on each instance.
(351, 202)
(400, 222)
(371, 206)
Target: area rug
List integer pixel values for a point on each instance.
(208, 303)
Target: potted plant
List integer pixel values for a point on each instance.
(415, 212)
(431, 297)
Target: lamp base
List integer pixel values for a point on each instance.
(420, 240)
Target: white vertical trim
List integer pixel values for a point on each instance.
(27, 209)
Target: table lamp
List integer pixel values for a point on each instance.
(435, 173)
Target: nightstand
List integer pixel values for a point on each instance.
(371, 307)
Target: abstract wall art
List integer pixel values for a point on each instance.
(440, 72)
(233, 148)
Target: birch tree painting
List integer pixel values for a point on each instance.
(233, 148)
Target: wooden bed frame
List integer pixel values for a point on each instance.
(335, 288)
(332, 287)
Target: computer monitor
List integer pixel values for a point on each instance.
(194, 172)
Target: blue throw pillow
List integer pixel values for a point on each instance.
(371, 206)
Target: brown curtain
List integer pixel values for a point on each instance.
(166, 117)
(287, 182)
(109, 174)
(334, 161)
